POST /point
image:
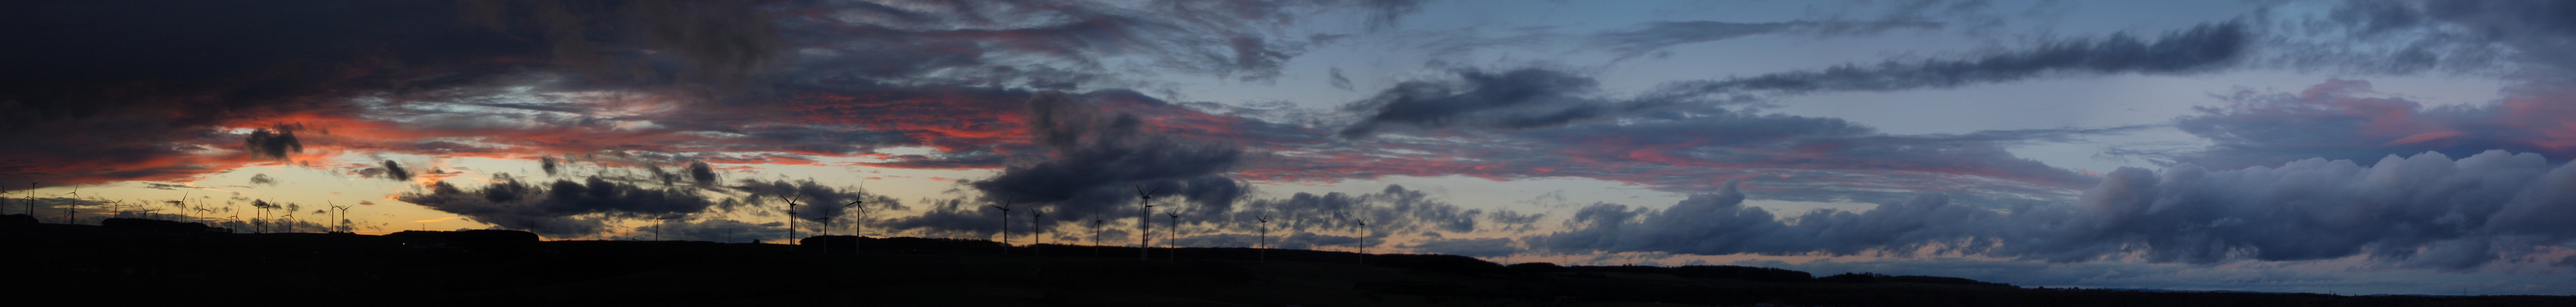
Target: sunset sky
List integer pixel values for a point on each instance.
(2367, 147)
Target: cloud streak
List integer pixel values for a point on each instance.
(2428, 211)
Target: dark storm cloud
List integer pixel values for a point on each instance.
(1525, 98)
(547, 163)
(1298, 221)
(699, 173)
(1060, 45)
(1536, 98)
(2425, 211)
(813, 200)
(1393, 210)
(953, 218)
(2347, 120)
(2202, 48)
(122, 90)
(1099, 160)
(2412, 37)
(274, 144)
(396, 172)
(563, 208)
(1655, 36)
(1679, 149)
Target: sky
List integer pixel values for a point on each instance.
(2361, 147)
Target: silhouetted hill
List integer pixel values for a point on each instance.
(134, 224)
(17, 219)
(50, 264)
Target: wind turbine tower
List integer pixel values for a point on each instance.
(1364, 234)
(1174, 250)
(1037, 231)
(182, 202)
(657, 226)
(791, 223)
(1145, 224)
(1264, 249)
(825, 233)
(68, 218)
(344, 216)
(1006, 226)
(854, 225)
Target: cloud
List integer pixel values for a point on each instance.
(1060, 45)
(263, 179)
(1517, 99)
(396, 172)
(132, 92)
(547, 163)
(2202, 48)
(1339, 81)
(2347, 120)
(2428, 211)
(953, 218)
(563, 208)
(1653, 36)
(277, 143)
(1536, 98)
(2325, 276)
(2418, 37)
(700, 173)
(1393, 210)
(815, 201)
(1098, 160)
(1672, 149)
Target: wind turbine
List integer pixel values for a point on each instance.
(1095, 233)
(1363, 240)
(68, 218)
(854, 225)
(1174, 250)
(235, 219)
(263, 214)
(1037, 231)
(209, 213)
(1006, 226)
(1145, 235)
(182, 202)
(827, 237)
(344, 215)
(791, 223)
(657, 226)
(31, 198)
(290, 221)
(72, 212)
(1264, 250)
(4, 190)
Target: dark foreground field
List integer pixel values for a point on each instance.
(58, 265)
